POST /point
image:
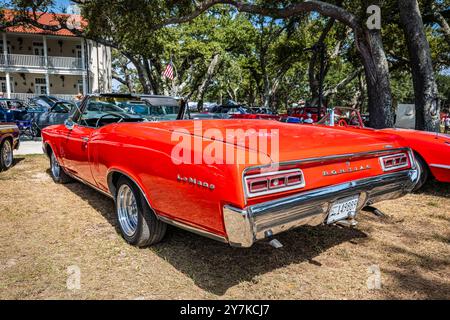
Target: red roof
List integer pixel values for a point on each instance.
(49, 19)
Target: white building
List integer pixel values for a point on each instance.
(35, 62)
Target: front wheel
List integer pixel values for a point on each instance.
(138, 223)
(6, 155)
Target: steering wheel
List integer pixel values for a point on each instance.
(342, 123)
(112, 114)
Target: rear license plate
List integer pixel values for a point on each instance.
(342, 209)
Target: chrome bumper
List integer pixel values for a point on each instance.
(246, 226)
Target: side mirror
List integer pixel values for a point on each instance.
(69, 124)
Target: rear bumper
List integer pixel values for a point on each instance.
(246, 226)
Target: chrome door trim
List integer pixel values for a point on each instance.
(440, 166)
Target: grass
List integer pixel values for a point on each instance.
(47, 228)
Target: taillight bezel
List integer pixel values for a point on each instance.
(269, 176)
(408, 163)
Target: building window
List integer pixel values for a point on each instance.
(80, 86)
(38, 49)
(40, 86)
(3, 84)
(79, 53)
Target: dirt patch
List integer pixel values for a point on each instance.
(50, 232)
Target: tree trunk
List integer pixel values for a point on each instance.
(141, 72)
(425, 88)
(445, 28)
(370, 46)
(207, 79)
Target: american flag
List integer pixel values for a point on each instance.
(168, 73)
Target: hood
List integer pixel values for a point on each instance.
(294, 141)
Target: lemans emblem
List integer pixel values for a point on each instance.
(196, 182)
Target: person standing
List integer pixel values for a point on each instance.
(309, 119)
(447, 123)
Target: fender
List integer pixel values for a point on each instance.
(135, 180)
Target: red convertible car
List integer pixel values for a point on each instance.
(309, 175)
(432, 150)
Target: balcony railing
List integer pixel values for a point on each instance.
(21, 60)
(26, 96)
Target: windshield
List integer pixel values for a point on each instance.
(110, 109)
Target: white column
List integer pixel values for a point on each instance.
(44, 41)
(8, 86)
(83, 55)
(84, 84)
(5, 45)
(47, 77)
(47, 83)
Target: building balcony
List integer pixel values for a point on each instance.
(38, 62)
(27, 96)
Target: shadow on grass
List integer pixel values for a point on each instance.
(410, 278)
(17, 160)
(435, 188)
(215, 266)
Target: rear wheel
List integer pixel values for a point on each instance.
(424, 172)
(137, 222)
(57, 172)
(6, 155)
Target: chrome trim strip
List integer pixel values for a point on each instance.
(253, 223)
(441, 166)
(192, 229)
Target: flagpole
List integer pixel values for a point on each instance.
(175, 74)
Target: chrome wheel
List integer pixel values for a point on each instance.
(127, 210)
(7, 154)
(56, 169)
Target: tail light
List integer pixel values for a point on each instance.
(273, 182)
(394, 162)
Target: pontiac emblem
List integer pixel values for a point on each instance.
(196, 182)
(349, 169)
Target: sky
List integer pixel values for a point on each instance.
(60, 5)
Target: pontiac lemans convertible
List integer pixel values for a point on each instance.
(157, 173)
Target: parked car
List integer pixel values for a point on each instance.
(45, 101)
(259, 116)
(317, 181)
(56, 114)
(9, 141)
(12, 109)
(432, 150)
(227, 111)
(302, 113)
